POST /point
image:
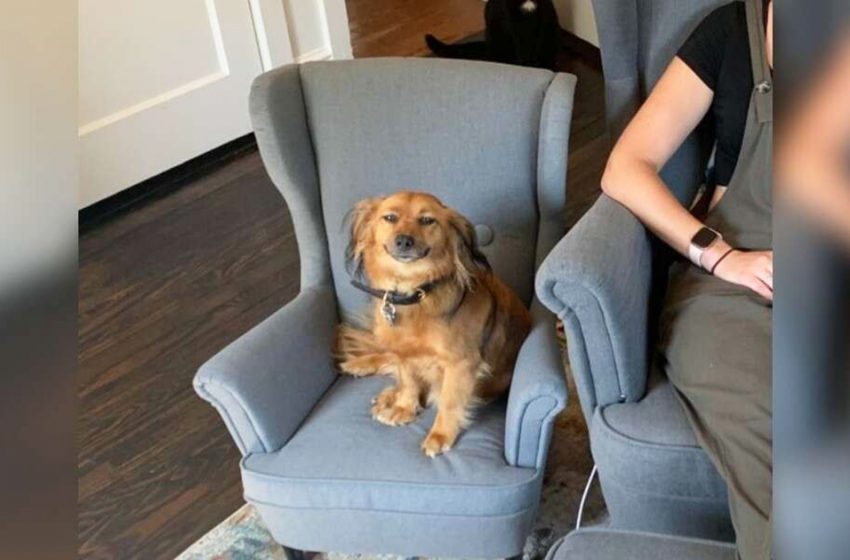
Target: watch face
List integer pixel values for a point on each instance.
(704, 238)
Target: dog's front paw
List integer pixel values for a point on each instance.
(387, 410)
(394, 415)
(436, 443)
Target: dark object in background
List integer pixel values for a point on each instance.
(523, 32)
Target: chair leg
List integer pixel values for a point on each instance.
(293, 554)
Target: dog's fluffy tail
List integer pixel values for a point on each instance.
(352, 342)
(475, 50)
(357, 353)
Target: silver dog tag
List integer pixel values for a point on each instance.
(388, 309)
(389, 313)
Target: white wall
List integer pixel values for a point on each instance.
(577, 17)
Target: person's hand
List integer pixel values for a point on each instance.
(752, 269)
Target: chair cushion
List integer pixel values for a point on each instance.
(658, 418)
(649, 447)
(462, 130)
(608, 544)
(341, 458)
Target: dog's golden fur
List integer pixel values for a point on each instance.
(455, 348)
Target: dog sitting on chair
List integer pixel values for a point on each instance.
(442, 324)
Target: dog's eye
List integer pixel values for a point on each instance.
(391, 218)
(426, 220)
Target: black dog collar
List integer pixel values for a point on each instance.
(399, 298)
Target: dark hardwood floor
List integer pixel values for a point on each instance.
(169, 282)
(397, 27)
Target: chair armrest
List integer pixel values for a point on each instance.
(538, 393)
(266, 382)
(597, 280)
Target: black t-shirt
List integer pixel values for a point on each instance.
(718, 51)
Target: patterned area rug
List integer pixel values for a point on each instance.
(243, 536)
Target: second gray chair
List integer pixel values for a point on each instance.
(600, 279)
(491, 141)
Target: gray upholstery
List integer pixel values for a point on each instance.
(654, 475)
(638, 39)
(536, 395)
(357, 466)
(490, 140)
(476, 149)
(606, 544)
(262, 403)
(599, 279)
(653, 470)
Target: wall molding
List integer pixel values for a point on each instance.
(150, 103)
(162, 184)
(275, 40)
(272, 33)
(260, 34)
(322, 53)
(337, 28)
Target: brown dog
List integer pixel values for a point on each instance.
(442, 323)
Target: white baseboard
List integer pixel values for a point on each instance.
(322, 53)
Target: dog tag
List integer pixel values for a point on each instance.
(388, 310)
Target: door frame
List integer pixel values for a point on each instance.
(275, 42)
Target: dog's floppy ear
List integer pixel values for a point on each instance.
(468, 258)
(359, 218)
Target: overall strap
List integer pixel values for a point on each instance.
(763, 96)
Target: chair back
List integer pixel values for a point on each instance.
(488, 139)
(638, 40)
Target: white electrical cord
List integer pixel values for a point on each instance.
(584, 497)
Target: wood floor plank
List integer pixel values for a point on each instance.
(398, 27)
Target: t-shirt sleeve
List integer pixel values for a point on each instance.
(704, 49)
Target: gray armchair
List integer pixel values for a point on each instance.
(602, 280)
(489, 140)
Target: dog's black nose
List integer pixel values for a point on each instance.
(404, 242)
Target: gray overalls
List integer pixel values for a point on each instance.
(715, 337)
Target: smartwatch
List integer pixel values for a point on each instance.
(700, 242)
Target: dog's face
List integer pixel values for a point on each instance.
(411, 237)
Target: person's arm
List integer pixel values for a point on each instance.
(675, 107)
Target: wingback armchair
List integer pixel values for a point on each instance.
(604, 280)
(489, 140)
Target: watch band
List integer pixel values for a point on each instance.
(695, 254)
